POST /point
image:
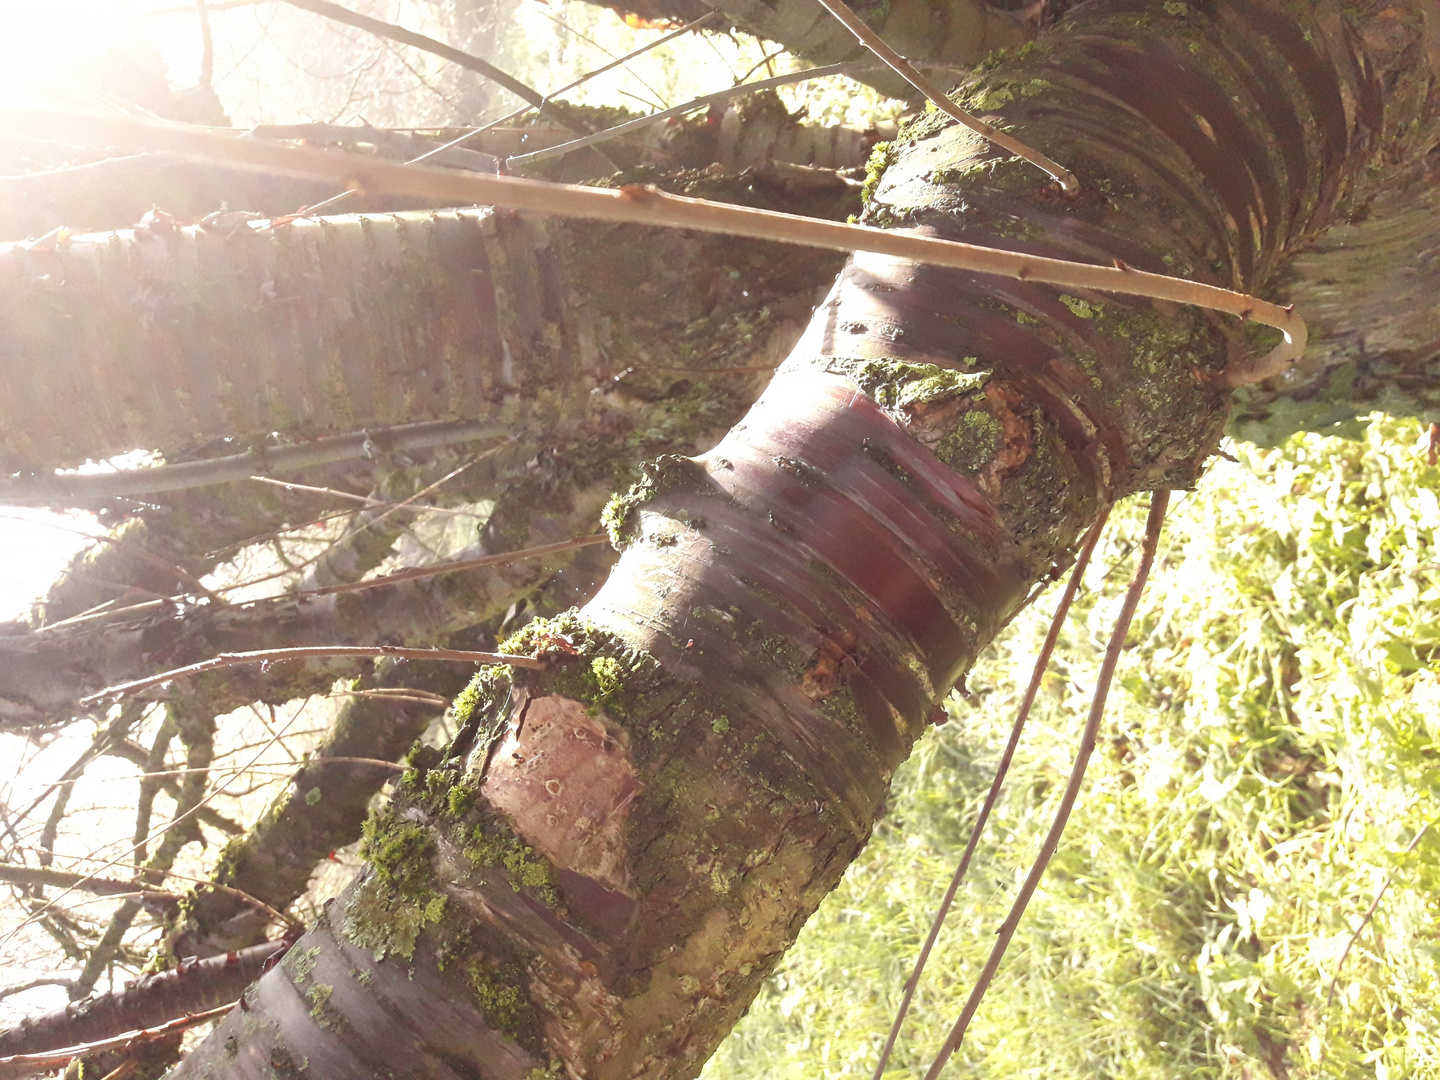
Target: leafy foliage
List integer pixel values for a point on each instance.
(1271, 757)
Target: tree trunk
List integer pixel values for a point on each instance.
(610, 857)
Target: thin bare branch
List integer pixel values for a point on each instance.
(39, 875)
(469, 62)
(520, 161)
(151, 999)
(20, 988)
(1370, 914)
(307, 652)
(381, 504)
(617, 62)
(902, 67)
(81, 489)
(135, 550)
(81, 882)
(435, 569)
(48, 908)
(1159, 501)
(415, 573)
(1042, 663)
(646, 205)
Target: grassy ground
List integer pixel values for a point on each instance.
(1269, 754)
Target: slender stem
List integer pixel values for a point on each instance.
(56, 1059)
(391, 32)
(1042, 662)
(39, 875)
(416, 573)
(1159, 501)
(646, 205)
(81, 882)
(519, 161)
(78, 489)
(588, 76)
(305, 652)
(140, 844)
(902, 67)
(1369, 914)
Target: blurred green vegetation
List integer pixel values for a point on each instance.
(1269, 753)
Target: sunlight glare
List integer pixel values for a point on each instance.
(47, 48)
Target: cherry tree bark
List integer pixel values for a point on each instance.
(600, 870)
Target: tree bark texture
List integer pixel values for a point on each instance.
(611, 856)
(169, 338)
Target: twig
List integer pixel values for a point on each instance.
(519, 161)
(596, 45)
(902, 67)
(140, 844)
(207, 45)
(417, 572)
(379, 504)
(151, 999)
(1042, 662)
(469, 62)
(590, 75)
(646, 205)
(74, 489)
(275, 656)
(354, 530)
(82, 880)
(46, 980)
(133, 550)
(1369, 914)
(412, 574)
(398, 693)
(1159, 500)
(39, 875)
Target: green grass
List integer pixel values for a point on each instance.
(1269, 752)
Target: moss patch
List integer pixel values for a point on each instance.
(399, 900)
(896, 384)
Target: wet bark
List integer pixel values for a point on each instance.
(598, 873)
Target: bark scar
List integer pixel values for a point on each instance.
(825, 672)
